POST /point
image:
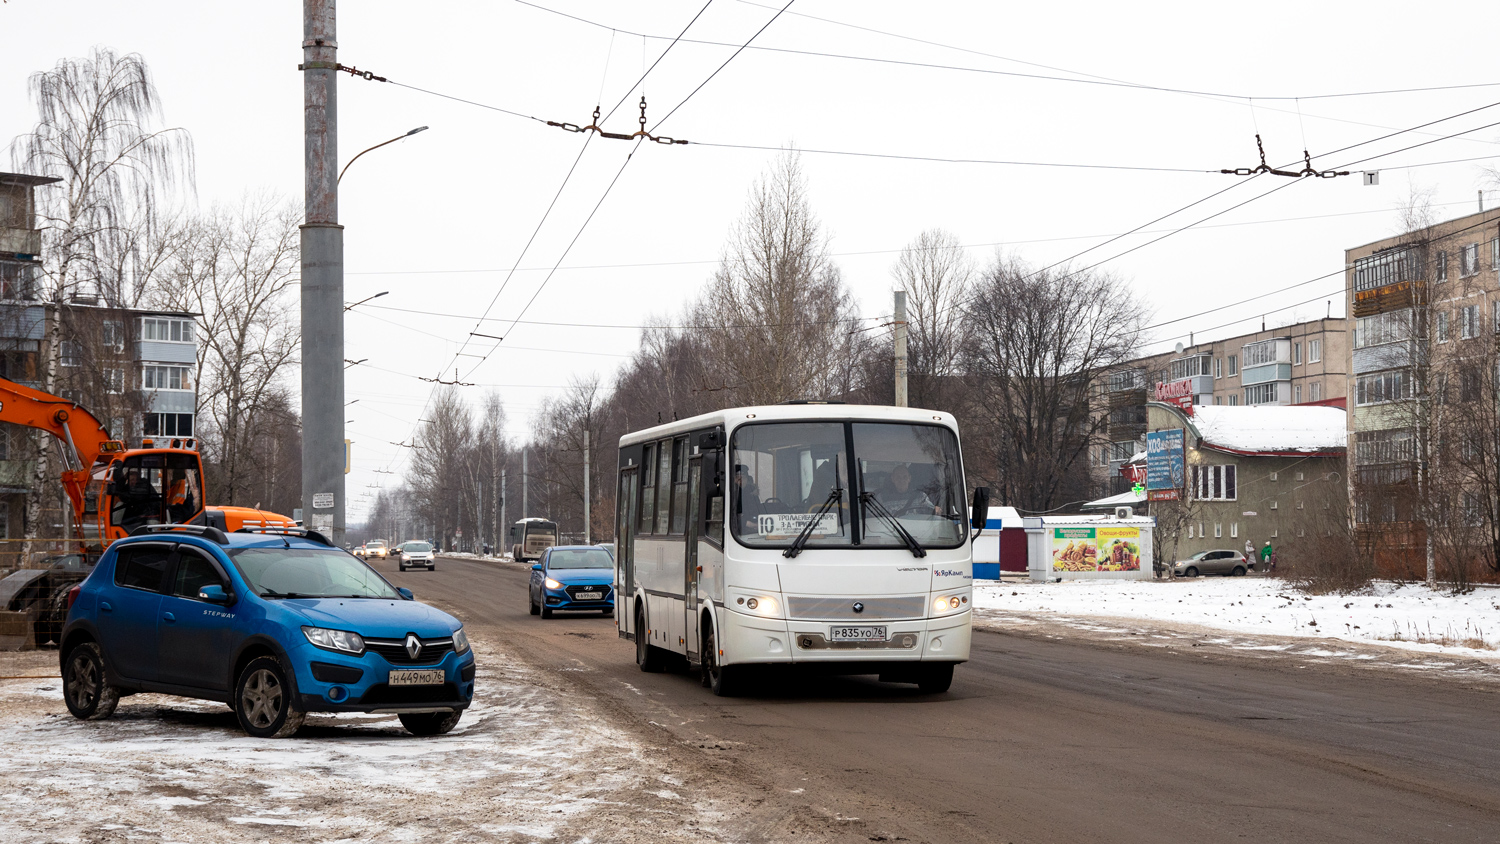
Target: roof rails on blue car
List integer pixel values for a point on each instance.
(204, 531)
(300, 532)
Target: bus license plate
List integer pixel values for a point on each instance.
(588, 596)
(417, 678)
(857, 634)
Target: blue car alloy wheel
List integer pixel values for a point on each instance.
(277, 623)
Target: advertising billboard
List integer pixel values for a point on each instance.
(1166, 466)
(1096, 549)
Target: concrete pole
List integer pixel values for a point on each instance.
(525, 492)
(502, 529)
(322, 280)
(901, 349)
(586, 524)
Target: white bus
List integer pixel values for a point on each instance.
(828, 535)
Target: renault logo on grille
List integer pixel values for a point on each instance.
(413, 645)
(859, 606)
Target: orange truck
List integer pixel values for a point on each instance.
(113, 490)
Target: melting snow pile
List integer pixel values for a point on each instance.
(1413, 617)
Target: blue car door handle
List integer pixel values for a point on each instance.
(168, 616)
(105, 605)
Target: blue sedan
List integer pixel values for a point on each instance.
(573, 577)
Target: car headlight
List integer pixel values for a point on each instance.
(552, 584)
(460, 641)
(335, 640)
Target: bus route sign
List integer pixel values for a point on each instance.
(789, 525)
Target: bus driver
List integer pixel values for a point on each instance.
(898, 496)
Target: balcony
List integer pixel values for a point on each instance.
(25, 241)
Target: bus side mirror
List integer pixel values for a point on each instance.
(979, 511)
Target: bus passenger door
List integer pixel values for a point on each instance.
(625, 550)
(690, 558)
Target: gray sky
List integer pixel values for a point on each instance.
(436, 219)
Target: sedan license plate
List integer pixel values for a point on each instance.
(433, 677)
(587, 596)
(857, 634)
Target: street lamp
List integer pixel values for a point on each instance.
(378, 146)
(366, 299)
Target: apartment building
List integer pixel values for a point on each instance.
(1301, 364)
(1422, 351)
(134, 369)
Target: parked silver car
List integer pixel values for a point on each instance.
(1214, 562)
(415, 554)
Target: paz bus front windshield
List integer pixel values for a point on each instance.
(782, 475)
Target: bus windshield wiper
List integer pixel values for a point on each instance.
(796, 547)
(911, 541)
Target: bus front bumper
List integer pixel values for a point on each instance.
(751, 639)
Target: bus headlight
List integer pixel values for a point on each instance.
(949, 603)
(761, 605)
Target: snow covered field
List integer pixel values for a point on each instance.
(528, 762)
(1409, 617)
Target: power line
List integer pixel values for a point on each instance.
(939, 160)
(722, 66)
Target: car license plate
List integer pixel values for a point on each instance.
(857, 634)
(587, 596)
(418, 678)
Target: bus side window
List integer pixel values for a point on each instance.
(713, 514)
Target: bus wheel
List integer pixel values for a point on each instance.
(647, 656)
(720, 679)
(935, 678)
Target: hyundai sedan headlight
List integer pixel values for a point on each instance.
(460, 641)
(335, 640)
(552, 584)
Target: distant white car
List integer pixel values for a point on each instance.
(411, 555)
(376, 548)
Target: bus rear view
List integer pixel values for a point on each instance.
(830, 536)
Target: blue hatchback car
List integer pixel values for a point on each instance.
(573, 577)
(274, 623)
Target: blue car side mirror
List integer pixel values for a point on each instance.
(406, 594)
(536, 567)
(214, 595)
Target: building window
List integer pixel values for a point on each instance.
(113, 334)
(1442, 326)
(114, 381)
(1314, 351)
(1388, 327)
(1266, 351)
(1215, 483)
(164, 425)
(69, 353)
(15, 280)
(1190, 531)
(1234, 365)
(1127, 379)
(1468, 260)
(1122, 451)
(1468, 321)
(1495, 312)
(155, 377)
(1296, 354)
(1316, 388)
(1234, 400)
(1298, 476)
(1442, 266)
(1261, 393)
(1218, 399)
(1382, 269)
(117, 427)
(1273, 505)
(1271, 477)
(1495, 254)
(1234, 529)
(1296, 394)
(1219, 362)
(1218, 529)
(1299, 505)
(163, 330)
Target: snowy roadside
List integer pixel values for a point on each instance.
(529, 761)
(1410, 618)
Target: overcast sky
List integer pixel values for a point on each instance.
(437, 219)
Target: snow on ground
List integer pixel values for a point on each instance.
(527, 762)
(1402, 616)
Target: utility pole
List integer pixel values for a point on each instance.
(525, 491)
(586, 524)
(500, 528)
(322, 279)
(901, 349)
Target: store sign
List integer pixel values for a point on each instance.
(1096, 549)
(1163, 495)
(1166, 467)
(1179, 393)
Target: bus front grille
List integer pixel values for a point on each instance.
(842, 609)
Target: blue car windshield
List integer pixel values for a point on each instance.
(580, 558)
(308, 573)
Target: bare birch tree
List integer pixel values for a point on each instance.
(937, 275)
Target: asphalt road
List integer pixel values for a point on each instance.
(1049, 740)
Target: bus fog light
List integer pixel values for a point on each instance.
(953, 603)
(752, 603)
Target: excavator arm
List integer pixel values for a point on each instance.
(86, 440)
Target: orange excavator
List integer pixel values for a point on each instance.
(115, 490)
